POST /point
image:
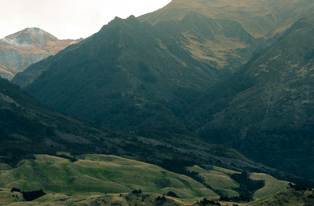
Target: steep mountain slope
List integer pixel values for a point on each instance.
(120, 76)
(135, 75)
(266, 109)
(227, 32)
(27, 128)
(19, 50)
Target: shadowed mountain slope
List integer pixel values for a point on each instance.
(27, 128)
(266, 109)
(120, 76)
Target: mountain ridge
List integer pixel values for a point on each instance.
(272, 112)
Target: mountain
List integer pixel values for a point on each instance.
(141, 76)
(120, 76)
(141, 73)
(27, 127)
(265, 110)
(20, 50)
(38, 146)
(226, 34)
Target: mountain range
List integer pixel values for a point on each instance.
(193, 86)
(21, 49)
(161, 73)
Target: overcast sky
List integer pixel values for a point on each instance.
(69, 18)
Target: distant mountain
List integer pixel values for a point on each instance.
(20, 50)
(266, 110)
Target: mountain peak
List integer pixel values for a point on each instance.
(130, 20)
(29, 37)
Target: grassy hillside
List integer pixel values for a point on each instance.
(231, 32)
(89, 178)
(98, 173)
(271, 187)
(263, 18)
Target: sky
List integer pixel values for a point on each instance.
(69, 19)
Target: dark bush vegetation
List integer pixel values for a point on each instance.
(172, 194)
(247, 186)
(160, 200)
(72, 159)
(235, 199)
(15, 190)
(209, 202)
(30, 195)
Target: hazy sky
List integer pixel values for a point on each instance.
(69, 18)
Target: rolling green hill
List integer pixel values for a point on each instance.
(98, 173)
(95, 175)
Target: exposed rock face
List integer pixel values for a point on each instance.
(20, 50)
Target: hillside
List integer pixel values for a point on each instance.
(266, 109)
(21, 49)
(145, 77)
(27, 127)
(225, 34)
(143, 73)
(121, 76)
(97, 175)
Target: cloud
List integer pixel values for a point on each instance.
(69, 18)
